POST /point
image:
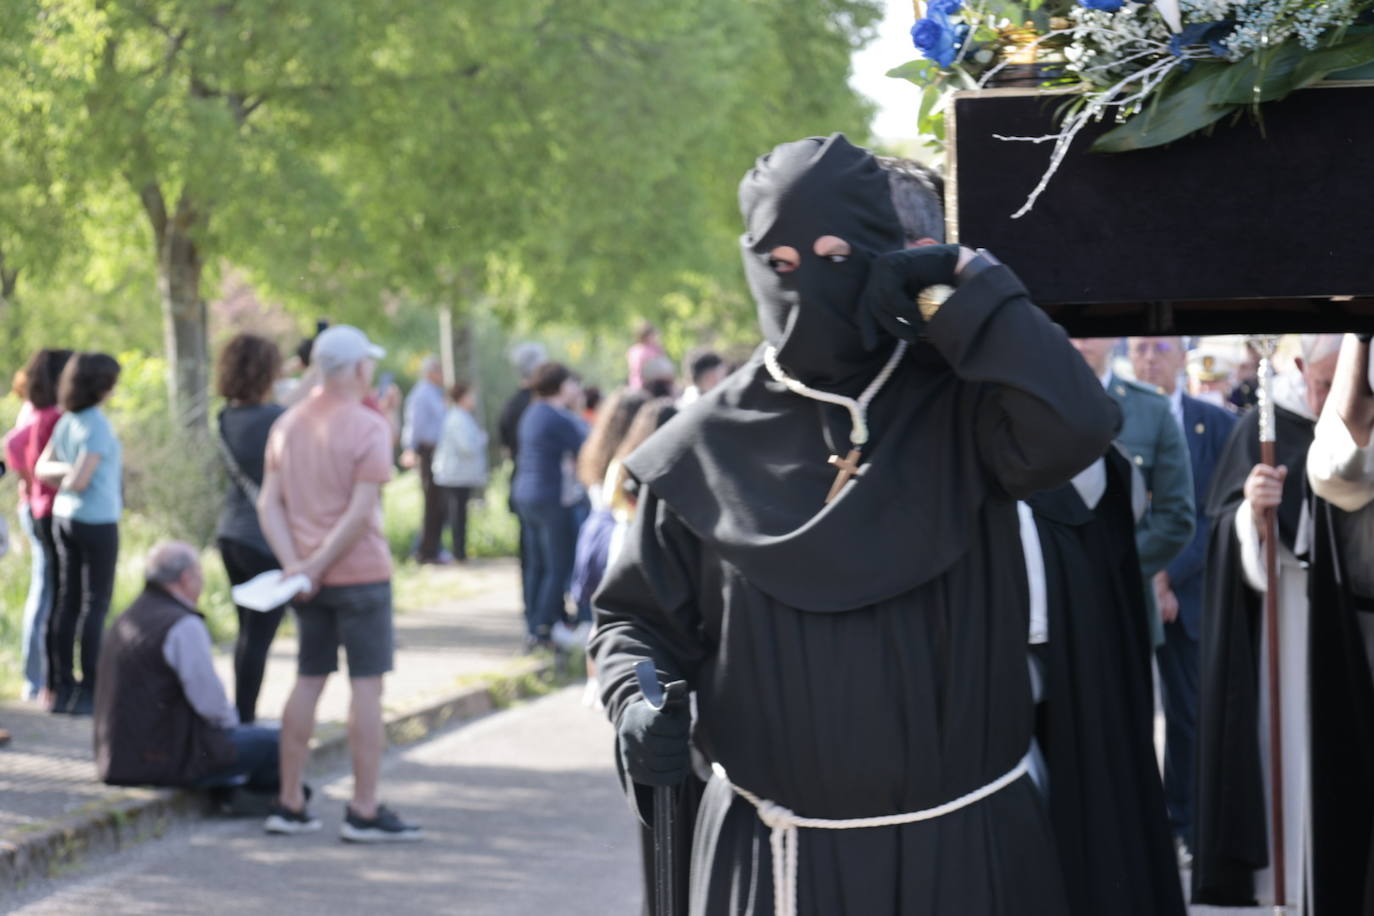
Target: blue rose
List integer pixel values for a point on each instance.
(1212, 34)
(936, 40)
(1107, 6)
(945, 7)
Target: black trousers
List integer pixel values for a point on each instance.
(432, 527)
(47, 536)
(455, 500)
(1178, 683)
(86, 557)
(257, 629)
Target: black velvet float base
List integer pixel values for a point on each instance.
(1252, 228)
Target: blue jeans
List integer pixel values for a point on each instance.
(552, 545)
(255, 767)
(42, 581)
(577, 517)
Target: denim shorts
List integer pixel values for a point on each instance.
(357, 617)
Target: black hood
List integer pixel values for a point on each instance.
(794, 195)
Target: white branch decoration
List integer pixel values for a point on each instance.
(1122, 98)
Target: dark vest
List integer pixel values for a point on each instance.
(146, 731)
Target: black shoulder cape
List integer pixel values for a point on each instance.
(1106, 802)
(746, 469)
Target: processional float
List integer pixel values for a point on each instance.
(1258, 227)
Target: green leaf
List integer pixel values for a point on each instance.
(919, 71)
(1269, 76)
(1365, 72)
(929, 98)
(1351, 53)
(1262, 76)
(1183, 106)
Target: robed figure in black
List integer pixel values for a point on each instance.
(1327, 701)
(1096, 722)
(863, 657)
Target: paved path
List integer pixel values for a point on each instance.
(523, 811)
(470, 627)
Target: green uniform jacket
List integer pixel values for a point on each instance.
(1151, 437)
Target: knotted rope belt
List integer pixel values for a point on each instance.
(784, 824)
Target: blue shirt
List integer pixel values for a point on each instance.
(77, 434)
(547, 436)
(424, 415)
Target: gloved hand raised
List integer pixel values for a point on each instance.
(654, 743)
(895, 279)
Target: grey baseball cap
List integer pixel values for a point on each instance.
(340, 346)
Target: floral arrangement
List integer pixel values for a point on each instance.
(1162, 70)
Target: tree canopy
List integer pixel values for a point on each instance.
(549, 160)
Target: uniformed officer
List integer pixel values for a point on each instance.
(1211, 372)
(1153, 441)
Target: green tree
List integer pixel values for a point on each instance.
(569, 160)
(36, 193)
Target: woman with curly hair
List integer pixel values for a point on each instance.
(247, 370)
(84, 461)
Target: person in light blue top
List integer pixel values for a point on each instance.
(460, 462)
(84, 460)
(88, 432)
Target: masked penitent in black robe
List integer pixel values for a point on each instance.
(1096, 724)
(864, 657)
(1334, 695)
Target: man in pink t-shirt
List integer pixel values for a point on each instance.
(321, 511)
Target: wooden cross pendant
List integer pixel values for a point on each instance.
(847, 467)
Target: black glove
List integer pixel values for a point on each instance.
(895, 279)
(654, 743)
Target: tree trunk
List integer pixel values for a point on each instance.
(456, 343)
(9, 281)
(184, 318)
(464, 356)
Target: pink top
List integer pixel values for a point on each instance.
(638, 355)
(321, 448)
(23, 446)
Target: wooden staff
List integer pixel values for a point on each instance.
(1265, 347)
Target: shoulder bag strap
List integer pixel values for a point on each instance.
(236, 474)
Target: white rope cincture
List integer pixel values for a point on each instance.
(857, 407)
(783, 825)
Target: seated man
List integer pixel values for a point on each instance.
(162, 717)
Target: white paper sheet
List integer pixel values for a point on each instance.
(269, 590)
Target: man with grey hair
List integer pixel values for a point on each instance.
(424, 424)
(161, 714)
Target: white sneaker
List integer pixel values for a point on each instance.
(285, 821)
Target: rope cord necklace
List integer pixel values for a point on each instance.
(847, 467)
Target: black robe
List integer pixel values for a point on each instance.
(1096, 727)
(1232, 835)
(890, 704)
